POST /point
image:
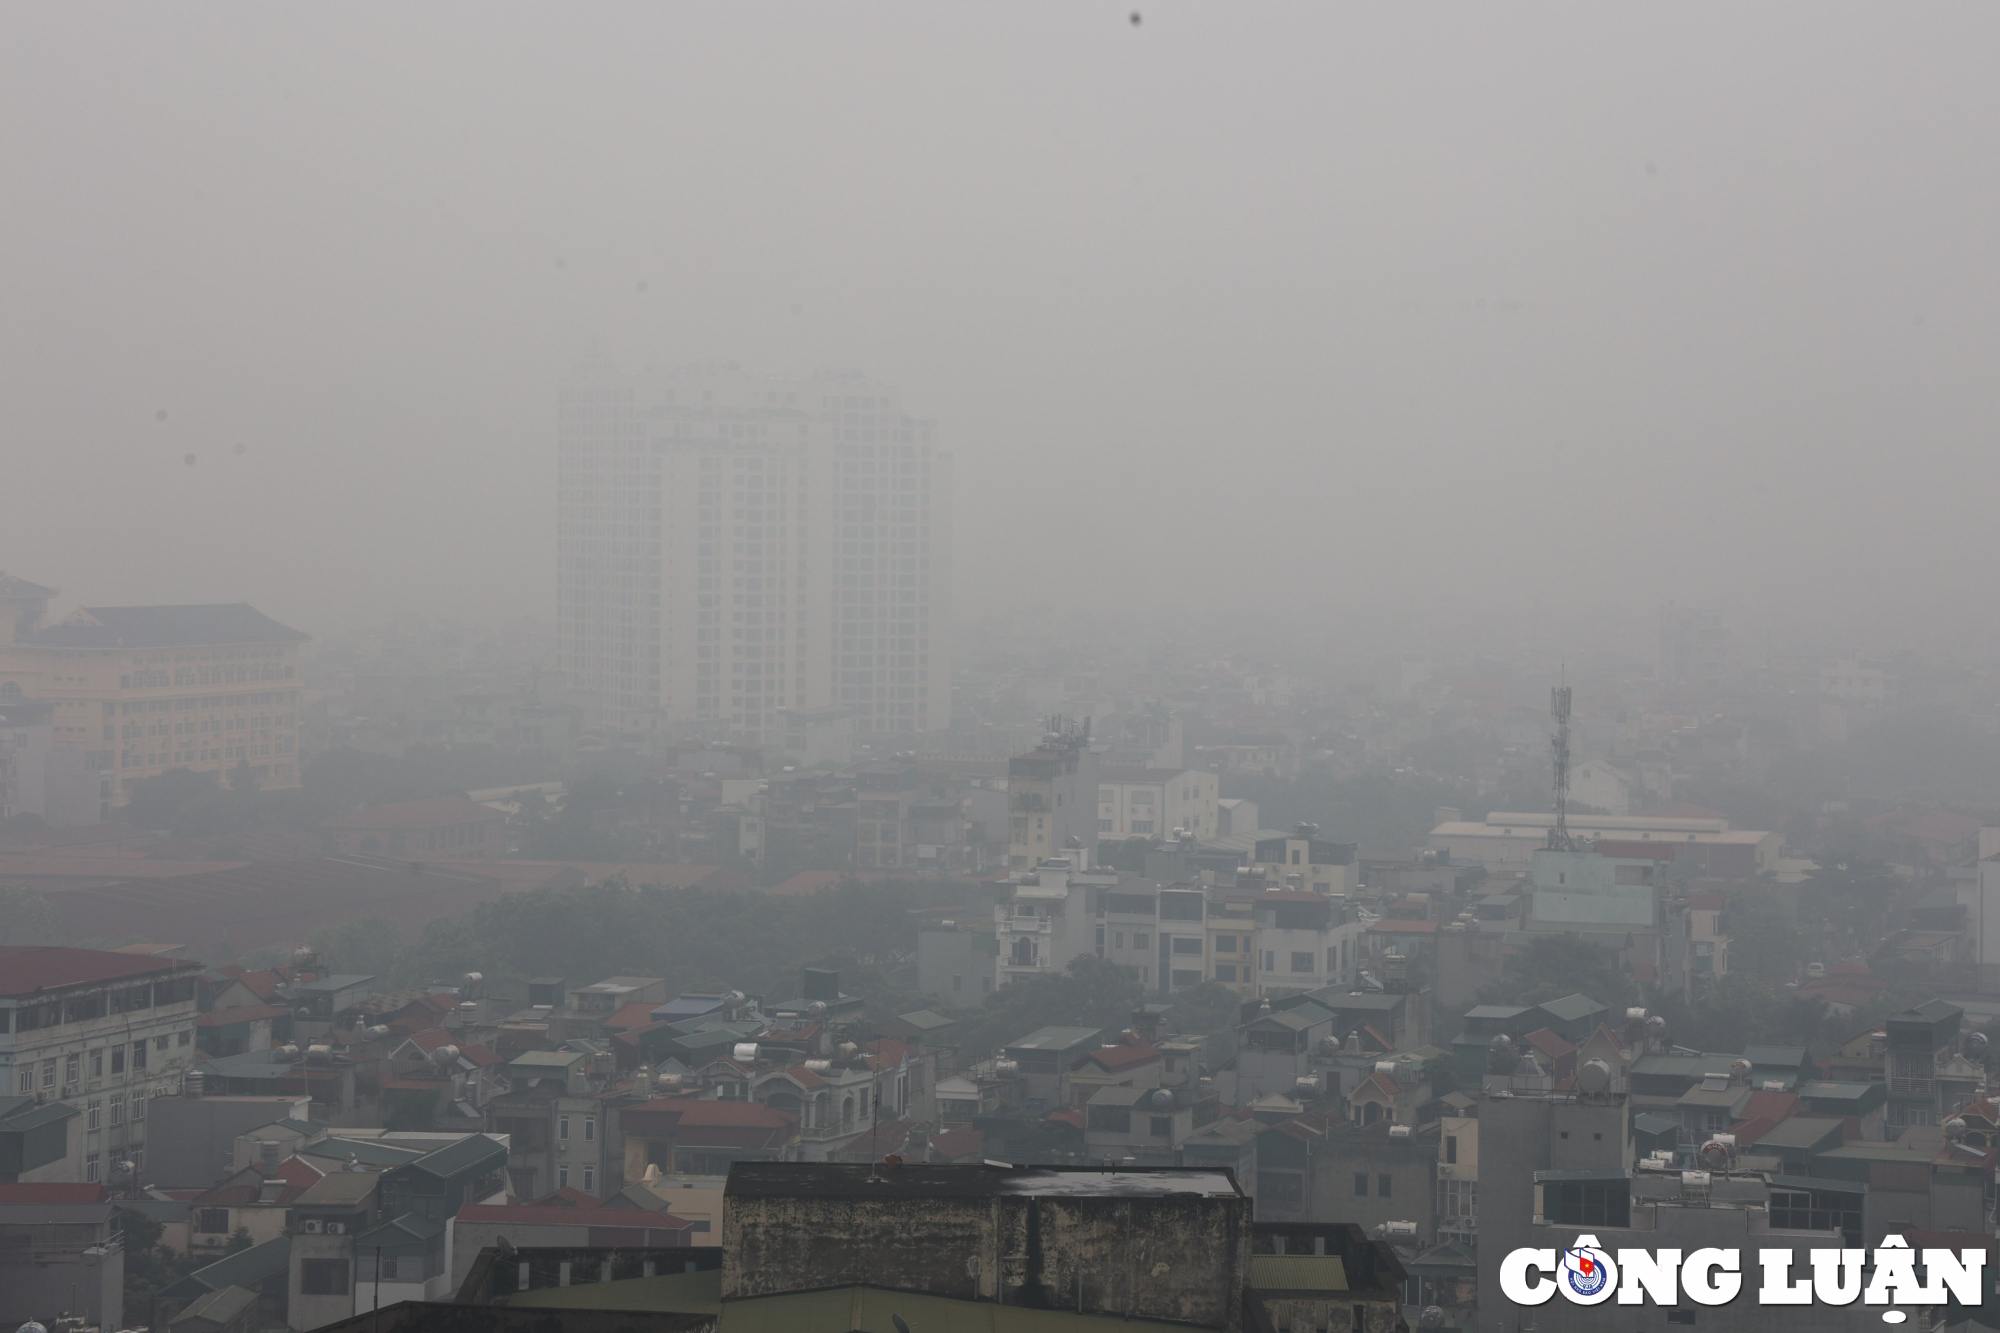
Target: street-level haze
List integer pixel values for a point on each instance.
(1461, 317)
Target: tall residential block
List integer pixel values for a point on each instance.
(733, 545)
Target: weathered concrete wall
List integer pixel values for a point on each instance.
(1173, 1257)
(943, 1246)
(1183, 1258)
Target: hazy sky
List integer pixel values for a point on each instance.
(1490, 313)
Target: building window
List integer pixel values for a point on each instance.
(1360, 1184)
(48, 1073)
(72, 1068)
(1382, 1186)
(212, 1221)
(1163, 1126)
(323, 1277)
(1225, 971)
(90, 1167)
(589, 1178)
(139, 1054)
(139, 1106)
(562, 1176)
(390, 1267)
(1225, 944)
(93, 1114)
(1302, 962)
(562, 1129)
(1451, 1148)
(1141, 940)
(590, 1129)
(97, 1063)
(118, 1108)
(26, 1082)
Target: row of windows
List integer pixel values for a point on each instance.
(72, 1066)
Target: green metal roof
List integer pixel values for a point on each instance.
(545, 1060)
(1055, 1039)
(468, 1154)
(873, 1310)
(668, 1293)
(1298, 1272)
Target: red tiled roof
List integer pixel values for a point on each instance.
(806, 883)
(1115, 1059)
(432, 812)
(709, 1123)
(246, 1186)
(639, 874)
(429, 1039)
(567, 1197)
(886, 1053)
(1382, 1083)
(263, 984)
(73, 866)
(1067, 1117)
(51, 1192)
(958, 1144)
(1764, 1104)
(802, 1076)
(27, 968)
(1549, 1043)
(634, 1014)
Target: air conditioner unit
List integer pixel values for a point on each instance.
(1443, 1169)
(336, 1228)
(311, 1226)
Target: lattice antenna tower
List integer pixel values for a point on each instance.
(1559, 839)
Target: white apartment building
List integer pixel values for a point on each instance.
(1153, 802)
(100, 1031)
(733, 545)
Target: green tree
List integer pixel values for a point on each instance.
(1091, 993)
(27, 917)
(1551, 966)
(1203, 1010)
(1764, 943)
(149, 1265)
(369, 944)
(239, 1241)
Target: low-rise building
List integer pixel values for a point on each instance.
(101, 1032)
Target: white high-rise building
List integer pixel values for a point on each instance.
(730, 545)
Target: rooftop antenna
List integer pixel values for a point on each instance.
(1559, 839)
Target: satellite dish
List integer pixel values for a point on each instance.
(1432, 1317)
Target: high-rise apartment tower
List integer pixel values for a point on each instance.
(730, 545)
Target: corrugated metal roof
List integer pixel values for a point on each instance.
(1298, 1272)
